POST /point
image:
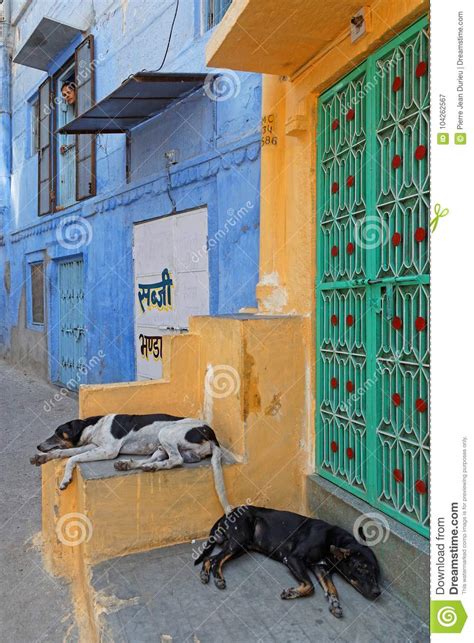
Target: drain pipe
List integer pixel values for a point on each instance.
(5, 112)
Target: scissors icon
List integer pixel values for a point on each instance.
(439, 214)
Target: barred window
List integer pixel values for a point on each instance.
(66, 163)
(215, 10)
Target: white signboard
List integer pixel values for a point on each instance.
(171, 283)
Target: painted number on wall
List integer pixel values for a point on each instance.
(268, 130)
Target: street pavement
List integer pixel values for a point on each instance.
(34, 606)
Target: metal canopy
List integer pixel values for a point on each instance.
(48, 39)
(138, 98)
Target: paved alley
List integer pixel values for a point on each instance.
(34, 606)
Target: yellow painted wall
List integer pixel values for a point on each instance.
(264, 421)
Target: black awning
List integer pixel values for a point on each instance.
(138, 98)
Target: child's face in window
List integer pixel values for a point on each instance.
(69, 94)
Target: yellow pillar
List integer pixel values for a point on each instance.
(271, 289)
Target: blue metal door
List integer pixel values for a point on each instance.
(71, 321)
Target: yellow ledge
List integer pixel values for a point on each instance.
(283, 37)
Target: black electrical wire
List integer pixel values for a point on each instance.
(169, 39)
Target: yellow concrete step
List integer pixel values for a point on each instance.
(112, 513)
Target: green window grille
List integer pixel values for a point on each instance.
(373, 280)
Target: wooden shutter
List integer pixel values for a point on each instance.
(45, 192)
(85, 143)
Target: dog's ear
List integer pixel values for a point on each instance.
(360, 531)
(339, 553)
(75, 428)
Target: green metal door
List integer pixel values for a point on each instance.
(373, 280)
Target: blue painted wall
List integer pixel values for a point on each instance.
(219, 166)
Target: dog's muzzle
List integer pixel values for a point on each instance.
(53, 443)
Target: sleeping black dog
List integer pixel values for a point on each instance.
(302, 544)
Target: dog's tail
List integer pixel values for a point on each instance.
(216, 462)
(210, 543)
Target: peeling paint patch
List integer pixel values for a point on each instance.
(124, 4)
(252, 402)
(270, 279)
(275, 405)
(35, 542)
(108, 603)
(274, 297)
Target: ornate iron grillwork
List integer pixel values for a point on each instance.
(373, 280)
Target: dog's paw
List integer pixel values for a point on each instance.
(148, 467)
(335, 608)
(38, 459)
(122, 465)
(204, 576)
(220, 583)
(291, 592)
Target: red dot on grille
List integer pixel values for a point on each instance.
(420, 152)
(396, 161)
(335, 124)
(396, 399)
(350, 320)
(420, 486)
(421, 405)
(334, 251)
(396, 239)
(397, 323)
(350, 248)
(420, 234)
(397, 83)
(420, 323)
(333, 446)
(350, 181)
(333, 382)
(335, 187)
(421, 69)
(350, 453)
(334, 320)
(349, 386)
(398, 475)
(350, 114)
